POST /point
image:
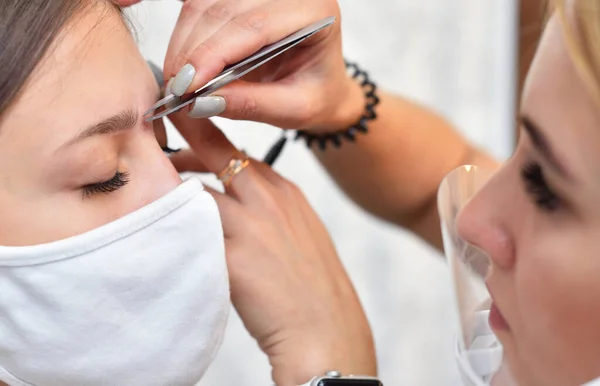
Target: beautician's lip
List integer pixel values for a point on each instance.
(496, 319)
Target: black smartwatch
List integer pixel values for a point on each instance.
(335, 378)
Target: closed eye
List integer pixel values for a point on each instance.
(119, 180)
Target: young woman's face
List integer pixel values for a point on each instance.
(538, 219)
(75, 152)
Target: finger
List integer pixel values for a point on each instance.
(246, 33)
(286, 195)
(267, 172)
(215, 151)
(207, 141)
(231, 211)
(191, 12)
(207, 17)
(160, 132)
(187, 161)
(262, 102)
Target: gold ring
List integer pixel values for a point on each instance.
(236, 164)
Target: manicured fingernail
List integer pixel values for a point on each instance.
(168, 86)
(183, 79)
(205, 107)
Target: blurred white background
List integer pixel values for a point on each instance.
(456, 56)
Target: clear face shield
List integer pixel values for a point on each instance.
(478, 352)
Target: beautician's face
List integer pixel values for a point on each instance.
(539, 221)
(75, 152)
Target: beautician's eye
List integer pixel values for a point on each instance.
(106, 187)
(536, 186)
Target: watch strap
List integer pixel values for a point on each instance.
(331, 375)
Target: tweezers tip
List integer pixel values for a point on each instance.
(160, 103)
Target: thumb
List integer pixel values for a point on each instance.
(280, 104)
(209, 144)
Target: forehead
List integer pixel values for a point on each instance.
(556, 97)
(92, 71)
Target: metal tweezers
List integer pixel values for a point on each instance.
(172, 103)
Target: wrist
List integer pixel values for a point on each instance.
(345, 109)
(312, 367)
(314, 356)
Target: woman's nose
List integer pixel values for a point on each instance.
(480, 223)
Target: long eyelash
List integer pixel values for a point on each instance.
(536, 185)
(106, 187)
(168, 150)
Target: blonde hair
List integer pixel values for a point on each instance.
(581, 23)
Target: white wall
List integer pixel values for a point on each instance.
(453, 55)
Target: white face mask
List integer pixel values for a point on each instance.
(141, 301)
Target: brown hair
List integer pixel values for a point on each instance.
(27, 30)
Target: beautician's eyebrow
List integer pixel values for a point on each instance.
(123, 121)
(540, 142)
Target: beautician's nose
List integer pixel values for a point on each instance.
(480, 223)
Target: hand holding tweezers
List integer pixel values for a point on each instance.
(172, 103)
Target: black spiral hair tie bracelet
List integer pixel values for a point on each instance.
(360, 127)
(336, 138)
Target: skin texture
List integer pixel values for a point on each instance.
(42, 176)
(303, 87)
(407, 196)
(545, 266)
(43, 181)
(545, 271)
(302, 309)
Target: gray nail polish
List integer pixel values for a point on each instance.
(168, 86)
(183, 79)
(205, 107)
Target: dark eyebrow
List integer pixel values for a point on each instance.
(541, 143)
(125, 120)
